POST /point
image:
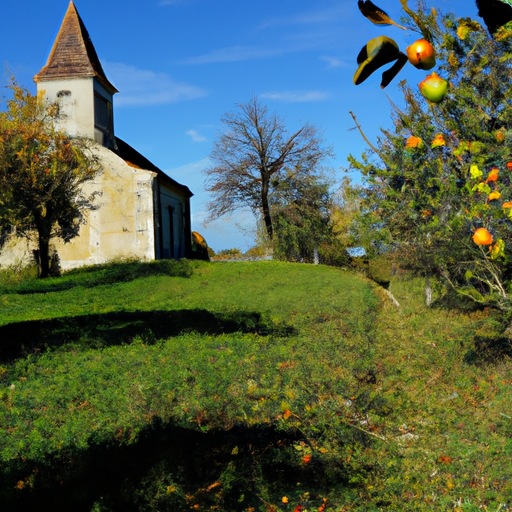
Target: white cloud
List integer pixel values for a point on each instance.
(144, 87)
(329, 15)
(196, 137)
(234, 54)
(334, 62)
(192, 167)
(296, 97)
(283, 42)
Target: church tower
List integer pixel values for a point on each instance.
(74, 77)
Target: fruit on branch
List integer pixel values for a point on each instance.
(421, 54)
(482, 237)
(434, 88)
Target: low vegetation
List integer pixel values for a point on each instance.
(251, 386)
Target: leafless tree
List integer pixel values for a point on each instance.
(251, 157)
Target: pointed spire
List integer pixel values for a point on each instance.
(73, 54)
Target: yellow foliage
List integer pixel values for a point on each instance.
(414, 142)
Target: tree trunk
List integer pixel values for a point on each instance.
(44, 258)
(428, 293)
(265, 209)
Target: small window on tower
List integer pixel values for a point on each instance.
(102, 113)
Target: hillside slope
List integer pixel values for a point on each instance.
(231, 386)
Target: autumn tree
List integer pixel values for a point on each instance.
(444, 171)
(254, 155)
(42, 172)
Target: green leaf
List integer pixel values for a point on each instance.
(497, 250)
(482, 187)
(475, 172)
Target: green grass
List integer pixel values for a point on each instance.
(226, 386)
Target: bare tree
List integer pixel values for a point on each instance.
(253, 155)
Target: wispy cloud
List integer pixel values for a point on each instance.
(192, 174)
(334, 62)
(296, 97)
(324, 29)
(328, 15)
(144, 87)
(235, 54)
(196, 137)
(198, 166)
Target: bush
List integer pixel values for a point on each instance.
(333, 254)
(227, 254)
(17, 273)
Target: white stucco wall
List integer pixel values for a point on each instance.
(17, 253)
(76, 97)
(123, 225)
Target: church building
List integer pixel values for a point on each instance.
(141, 212)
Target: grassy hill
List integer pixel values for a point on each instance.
(248, 386)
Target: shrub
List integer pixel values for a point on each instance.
(227, 254)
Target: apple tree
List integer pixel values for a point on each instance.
(438, 185)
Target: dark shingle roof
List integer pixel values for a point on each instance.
(133, 158)
(73, 54)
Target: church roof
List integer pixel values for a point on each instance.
(133, 158)
(73, 54)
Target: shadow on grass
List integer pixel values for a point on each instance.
(457, 302)
(169, 468)
(98, 275)
(489, 350)
(100, 330)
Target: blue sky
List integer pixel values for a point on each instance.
(181, 64)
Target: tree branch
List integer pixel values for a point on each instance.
(365, 138)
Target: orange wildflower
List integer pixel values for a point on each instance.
(507, 204)
(438, 141)
(493, 175)
(500, 136)
(307, 458)
(494, 195)
(509, 166)
(414, 142)
(285, 499)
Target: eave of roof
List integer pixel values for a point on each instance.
(73, 55)
(134, 159)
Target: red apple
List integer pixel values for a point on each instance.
(434, 88)
(421, 54)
